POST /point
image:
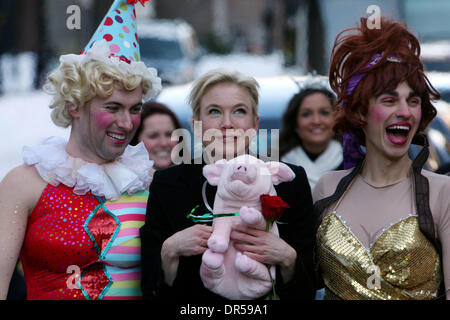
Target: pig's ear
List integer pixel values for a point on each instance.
(280, 172)
(213, 171)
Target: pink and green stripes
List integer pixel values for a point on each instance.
(124, 255)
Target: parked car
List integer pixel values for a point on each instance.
(441, 82)
(275, 93)
(171, 47)
(435, 55)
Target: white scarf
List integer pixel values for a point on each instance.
(129, 173)
(329, 160)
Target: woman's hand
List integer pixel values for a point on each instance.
(188, 242)
(265, 247)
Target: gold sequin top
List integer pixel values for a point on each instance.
(401, 264)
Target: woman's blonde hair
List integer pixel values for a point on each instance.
(220, 76)
(72, 85)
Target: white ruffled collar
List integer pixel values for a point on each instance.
(128, 173)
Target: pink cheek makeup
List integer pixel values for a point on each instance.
(380, 115)
(103, 119)
(136, 119)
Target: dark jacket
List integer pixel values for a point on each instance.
(175, 191)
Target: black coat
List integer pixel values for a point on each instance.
(175, 191)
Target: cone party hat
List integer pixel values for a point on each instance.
(118, 28)
(116, 42)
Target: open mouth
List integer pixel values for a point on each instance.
(398, 133)
(117, 137)
(317, 131)
(162, 154)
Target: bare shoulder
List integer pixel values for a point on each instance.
(327, 183)
(22, 184)
(24, 174)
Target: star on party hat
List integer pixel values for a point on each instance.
(116, 42)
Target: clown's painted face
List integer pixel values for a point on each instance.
(105, 126)
(392, 121)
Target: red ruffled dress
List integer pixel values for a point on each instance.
(83, 246)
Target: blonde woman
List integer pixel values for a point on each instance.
(65, 209)
(226, 105)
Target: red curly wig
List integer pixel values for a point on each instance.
(353, 49)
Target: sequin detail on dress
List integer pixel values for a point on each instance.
(409, 266)
(107, 252)
(102, 226)
(54, 241)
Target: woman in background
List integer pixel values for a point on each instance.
(306, 137)
(157, 124)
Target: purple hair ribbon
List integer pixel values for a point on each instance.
(353, 154)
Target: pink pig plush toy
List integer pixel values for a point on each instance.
(240, 183)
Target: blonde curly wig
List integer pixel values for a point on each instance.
(72, 85)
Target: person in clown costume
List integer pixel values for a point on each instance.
(73, 210)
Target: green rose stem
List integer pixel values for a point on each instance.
(274, 295)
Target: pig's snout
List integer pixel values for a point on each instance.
(244, 173)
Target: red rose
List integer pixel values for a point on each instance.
(272, 207)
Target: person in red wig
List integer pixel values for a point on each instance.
(384, 222)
